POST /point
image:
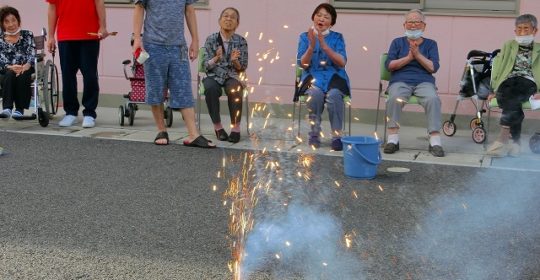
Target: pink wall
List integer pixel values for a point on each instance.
(456, 35)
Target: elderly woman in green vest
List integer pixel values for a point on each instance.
(515, 78)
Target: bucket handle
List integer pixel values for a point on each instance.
(367, 159)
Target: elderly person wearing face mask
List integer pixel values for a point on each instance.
(17, 53)
(516, 77)
(413, 60)
(322, 56)
(226, 58)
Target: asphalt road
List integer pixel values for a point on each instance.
(84, 208)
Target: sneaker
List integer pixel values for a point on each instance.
(6, 114)
(498, 149)
(391, 148)
(514, 150)
(337, 145)
(436, 150)
(67, 121)
(314, 140)
(88, 122)
(16, 115)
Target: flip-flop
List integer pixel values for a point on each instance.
(199, 142)
(160, 136)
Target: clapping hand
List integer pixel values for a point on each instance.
(235, 54)
(219, 54)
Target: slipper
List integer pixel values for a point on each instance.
(162, 135)
(199, 142)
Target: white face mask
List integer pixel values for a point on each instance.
(525, 40)
(414, 34)
(324, 33)
(13, 33)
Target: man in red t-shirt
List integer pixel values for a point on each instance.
(79, 26)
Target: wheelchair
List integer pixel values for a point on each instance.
(45, 86)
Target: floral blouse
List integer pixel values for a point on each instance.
(22, 52)
(223, 70)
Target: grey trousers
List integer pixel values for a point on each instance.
(334, 103)
(427, 97)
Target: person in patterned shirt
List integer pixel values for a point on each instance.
(225, 60)
(17, 53)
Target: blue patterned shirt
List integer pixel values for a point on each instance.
(164, 21)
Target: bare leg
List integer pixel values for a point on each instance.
(157, 113)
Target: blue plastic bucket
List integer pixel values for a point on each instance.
(361, 156)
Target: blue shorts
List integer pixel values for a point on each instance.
(168, 68)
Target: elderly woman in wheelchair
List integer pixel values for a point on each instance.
(17, 54)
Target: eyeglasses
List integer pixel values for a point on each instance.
(411, 22)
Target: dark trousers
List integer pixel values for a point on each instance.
(17, 90)
(511, 94)
(74, 56)
(234, 91)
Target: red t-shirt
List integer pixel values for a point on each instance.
(76, 18)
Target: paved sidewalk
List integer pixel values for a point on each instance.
(276, 134)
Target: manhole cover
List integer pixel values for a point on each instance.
(398, 169)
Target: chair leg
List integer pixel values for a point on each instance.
(385, 125)
(246, 104)
(488, 125)
(199, 112)
(299, 116)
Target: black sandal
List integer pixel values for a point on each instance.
(234, 137)
(199, 142)
(222, 135)
(160, 136)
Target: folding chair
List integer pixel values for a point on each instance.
(384, 78)
(201, 74)
(301, 99)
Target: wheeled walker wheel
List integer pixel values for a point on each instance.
(479, 135)
(121, 113)
(449, 128)
(475, 122)
(131, 109)
(534, 143)
(43, 118)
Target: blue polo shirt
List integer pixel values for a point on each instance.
(413, 73)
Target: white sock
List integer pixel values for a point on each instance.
(393, 138)
(435, 140)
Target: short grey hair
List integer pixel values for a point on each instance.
(416, 11)
(527, 18)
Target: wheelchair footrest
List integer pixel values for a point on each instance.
(24, 118)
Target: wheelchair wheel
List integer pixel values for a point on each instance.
(476, 122)
(534, 143)
(479, 135)
(53, 87)
(44, 100)
(121, 113)
(131, 109)
(449, 128)
(168, 114)
(43, 118)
